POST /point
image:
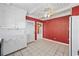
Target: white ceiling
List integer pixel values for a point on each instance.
(38, 9)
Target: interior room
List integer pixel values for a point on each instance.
(39, 29)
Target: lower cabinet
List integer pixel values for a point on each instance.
(13, 42)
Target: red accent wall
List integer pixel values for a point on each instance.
(75, 10)
(57, 29)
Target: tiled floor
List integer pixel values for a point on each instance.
(43, 48)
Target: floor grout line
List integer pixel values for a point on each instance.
(56, 50)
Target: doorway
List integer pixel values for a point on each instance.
(39, 30)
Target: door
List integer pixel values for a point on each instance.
(30, 27)
(39, 30)
(74, 35)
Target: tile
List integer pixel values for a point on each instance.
(66, 51)
(26, 53)
(43, 48)
(59, 53)
(61, 49)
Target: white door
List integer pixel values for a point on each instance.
(40, 31)
(74, 35)
(30, 28)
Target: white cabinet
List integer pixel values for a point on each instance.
(13, 41)
(2, 16)
(12, 17)
(12, 28)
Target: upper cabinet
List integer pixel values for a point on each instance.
(13, 17)
(2, 16)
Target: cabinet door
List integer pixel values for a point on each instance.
(10, 17)
(20, 20)
(2, 16)
(15, 17)
(14, 42)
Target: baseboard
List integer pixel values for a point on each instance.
(56, 41)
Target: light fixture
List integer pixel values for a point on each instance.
(47, 12)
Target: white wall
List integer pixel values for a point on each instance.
(30, 28)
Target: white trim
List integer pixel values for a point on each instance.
(70, 24)
(56, 41)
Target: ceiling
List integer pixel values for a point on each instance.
(38, 9)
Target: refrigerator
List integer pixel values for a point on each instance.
(74, 36)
